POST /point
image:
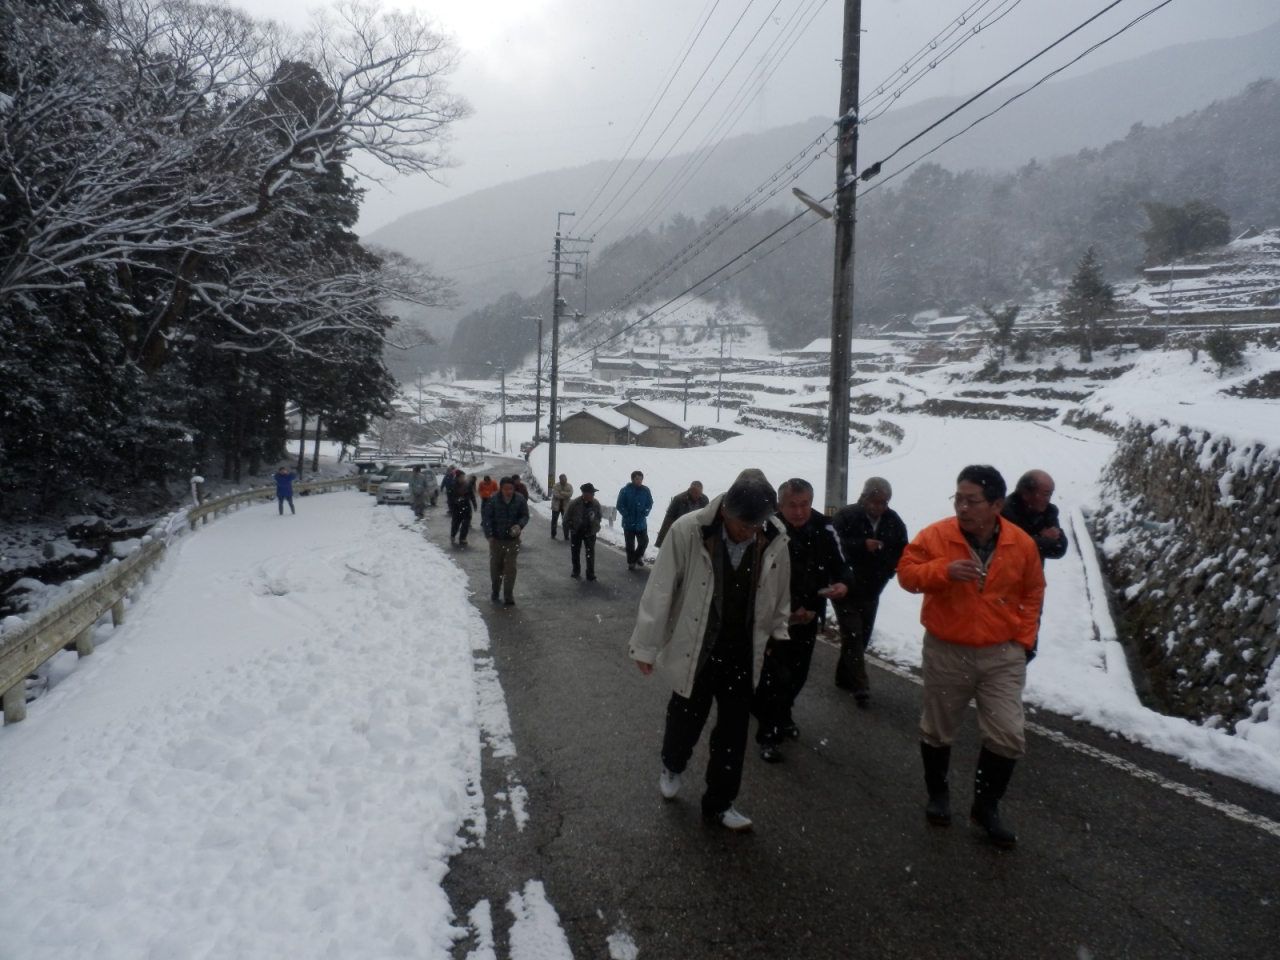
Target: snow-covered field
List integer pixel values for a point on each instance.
(274, 756)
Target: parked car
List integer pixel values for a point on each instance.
(395, 489)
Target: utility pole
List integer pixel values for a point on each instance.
(685, 416)
(837, 489)
(720, 376)
(502, 372)
(557, 304)
(537, 383)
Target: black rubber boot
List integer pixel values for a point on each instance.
(989, 784)
(936, 762)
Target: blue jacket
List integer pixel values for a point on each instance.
(634, 504)
(497, 516)
(284, 484)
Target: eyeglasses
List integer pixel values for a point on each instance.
(960, 501)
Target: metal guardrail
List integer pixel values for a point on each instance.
(68, 624)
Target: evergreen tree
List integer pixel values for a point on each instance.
(1089, 298)
(1177, 231)
(1002, 322)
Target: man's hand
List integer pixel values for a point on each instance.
(1051, 533)
(801, 615)
(645, 668)
(490, 539)
(837, 591)
(515, 529)
(874, 545)
(964, 571)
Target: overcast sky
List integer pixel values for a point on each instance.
(555, 83)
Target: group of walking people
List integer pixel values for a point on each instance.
(732, 610)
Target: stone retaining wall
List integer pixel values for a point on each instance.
(1190, 532)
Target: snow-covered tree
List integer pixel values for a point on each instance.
(1089, 298)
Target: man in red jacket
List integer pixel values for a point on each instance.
(983, 585)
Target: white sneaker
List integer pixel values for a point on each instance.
(669, 784)
(734, 820)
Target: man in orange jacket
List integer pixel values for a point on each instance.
(983, 584)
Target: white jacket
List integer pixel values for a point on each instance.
(561, 494)
(672, 619)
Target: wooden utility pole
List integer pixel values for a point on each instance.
(557, 304)
(837, 488)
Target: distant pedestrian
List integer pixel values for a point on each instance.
(983, 585)
(581, 525)
(718, 593)
(419, 487)
(686, 501)
(818, 573)
(520, 487)
(1029, 507)
(561, 494)
(633, 505)
(462, 503)
(873, 537)
(284, 489)
(487, 488)
(504, 516)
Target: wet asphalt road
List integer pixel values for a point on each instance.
(841, 862)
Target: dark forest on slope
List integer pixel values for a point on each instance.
(936, 239)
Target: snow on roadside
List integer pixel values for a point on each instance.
(277, 753)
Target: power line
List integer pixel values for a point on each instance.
(681, 179)
(585, 228)
(906, 80)
(699, 243)
(688, 49)
(1048, 76)
(696, 284)
(874, 169)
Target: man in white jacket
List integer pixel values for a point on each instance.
(719, 591)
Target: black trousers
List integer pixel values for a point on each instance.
(785, 670)
(460, 526)
(282, 502)
(555, 520)
(857, 618)
(576, 543)
(637, 542)
(727, 681)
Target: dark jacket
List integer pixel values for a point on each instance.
(498, 516)
(816, 562)
(582, 519)
(284, 484)
(461, 495)
(872, 569)
(634, 504)
(1016, 512)
(680, 504)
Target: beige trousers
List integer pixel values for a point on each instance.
(992, 676)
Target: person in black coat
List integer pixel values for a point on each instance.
(1028, 507)
(873, 538)
(818, 573)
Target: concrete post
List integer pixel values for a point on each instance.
(84, 642)
(15, 703)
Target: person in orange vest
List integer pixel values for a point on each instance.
(487, 488)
